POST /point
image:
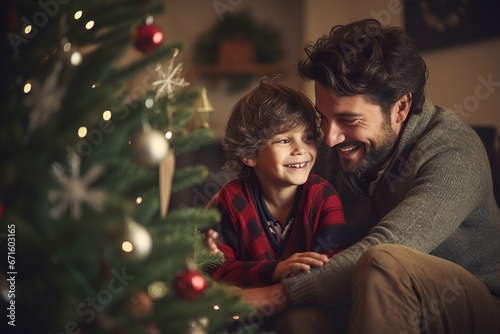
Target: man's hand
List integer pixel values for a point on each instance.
(298, 262)
(267, 300)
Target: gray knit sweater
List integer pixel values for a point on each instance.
(435, 196)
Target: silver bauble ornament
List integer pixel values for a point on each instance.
(137, 243)
(149, 147)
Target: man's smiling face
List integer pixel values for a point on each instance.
(360, 132)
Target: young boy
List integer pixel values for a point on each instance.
(276, 219)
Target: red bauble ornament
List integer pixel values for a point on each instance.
(190, 284)
(147, 37)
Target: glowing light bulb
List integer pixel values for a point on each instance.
(28, 29)
(89, 25)
(76, 58)
(157, 290)
(27, 88)
(149, 103)
(127, 246)
(106, 115)
(82, 131)
(67, 46)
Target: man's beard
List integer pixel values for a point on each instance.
(379, 154)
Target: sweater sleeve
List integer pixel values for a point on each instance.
(437, 186)
(235, 271)
(330, 235)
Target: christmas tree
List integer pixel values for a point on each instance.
(89, 242)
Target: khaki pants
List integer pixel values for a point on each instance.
(399, 290)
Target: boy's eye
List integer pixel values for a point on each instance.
(283, 141)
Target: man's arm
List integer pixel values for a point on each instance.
(267, 300)
(443, 182)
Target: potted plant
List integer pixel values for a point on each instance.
(239, 39)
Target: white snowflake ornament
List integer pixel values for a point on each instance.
(169, 81)
(75, 189)
(45, 99)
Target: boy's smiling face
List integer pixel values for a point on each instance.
(286, 159)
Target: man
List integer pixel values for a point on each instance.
(417, 192)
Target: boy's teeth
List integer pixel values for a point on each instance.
(297, 165)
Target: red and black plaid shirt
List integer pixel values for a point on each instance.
(251, 252)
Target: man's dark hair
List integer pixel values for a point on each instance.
(364, 58)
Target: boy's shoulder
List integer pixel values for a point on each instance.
(318, 186)
(235, 186)
(315, 179)
(232, 184)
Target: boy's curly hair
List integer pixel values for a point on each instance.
(271, 108)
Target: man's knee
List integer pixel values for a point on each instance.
(381, 255)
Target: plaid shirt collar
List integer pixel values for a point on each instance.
(276, 234)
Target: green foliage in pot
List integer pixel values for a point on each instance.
(265, 38)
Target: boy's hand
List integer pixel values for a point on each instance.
(298, 262)
(211, 237)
